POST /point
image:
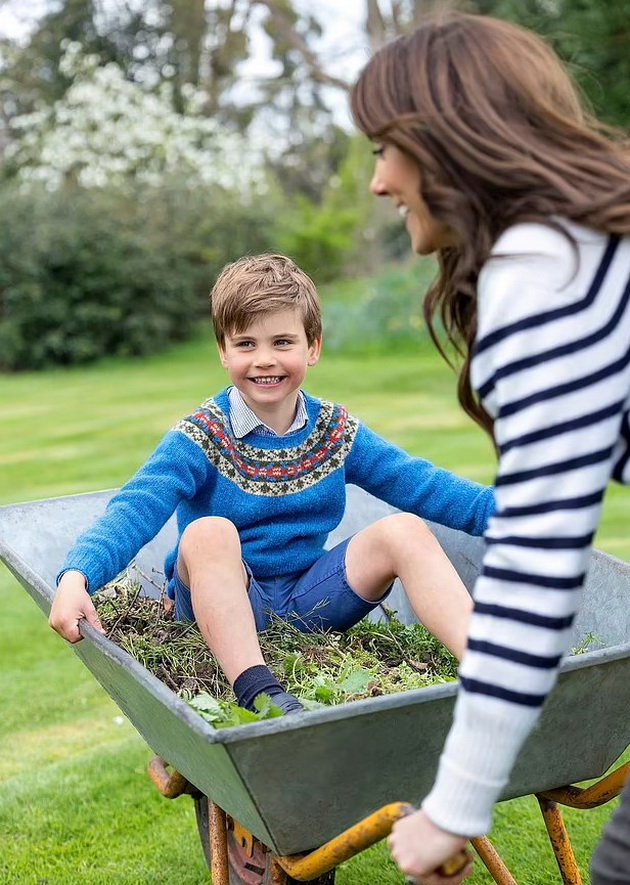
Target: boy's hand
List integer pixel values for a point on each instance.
(419, 847)
(72, 603)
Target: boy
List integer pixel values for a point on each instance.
(257, 477)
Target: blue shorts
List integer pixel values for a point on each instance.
(318, 599)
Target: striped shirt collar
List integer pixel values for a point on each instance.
(244, 421)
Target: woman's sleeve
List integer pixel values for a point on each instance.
(551, 367)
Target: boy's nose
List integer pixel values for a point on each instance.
(265, 357)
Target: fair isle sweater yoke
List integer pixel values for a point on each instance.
(552, 367)
(284, 494)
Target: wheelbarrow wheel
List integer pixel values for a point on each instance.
(244, 869)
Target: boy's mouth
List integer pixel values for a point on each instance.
(267, 380)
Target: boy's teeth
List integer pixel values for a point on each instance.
(267, 380)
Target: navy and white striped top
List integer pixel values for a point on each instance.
(552, 367)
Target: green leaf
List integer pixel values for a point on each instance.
(236, 715)
(325, 693)
(356, 681)
(266, 708)
(210, 708)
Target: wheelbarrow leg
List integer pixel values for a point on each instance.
(597, 794)
(493, 861)
(560, 841)
(277, 875)
(217, 826)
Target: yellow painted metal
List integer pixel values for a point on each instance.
(453, 865)
(171, 785)
(493, 861)
(591, 797)
(242, 836)
(560, 841)
(576, 797)
(357, 838)
(277, 876)
(219, 869)
(305, 867)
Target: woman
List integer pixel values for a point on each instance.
(484, 147)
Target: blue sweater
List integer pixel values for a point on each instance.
(284, 494)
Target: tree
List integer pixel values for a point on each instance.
(108, 131)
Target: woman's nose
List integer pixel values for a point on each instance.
(377, 187)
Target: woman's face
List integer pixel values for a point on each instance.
(397, 176)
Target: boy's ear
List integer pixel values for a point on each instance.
(314, 351)
(222, 356)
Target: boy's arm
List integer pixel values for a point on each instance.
(71, 604)
(418, 486)
(134, 516)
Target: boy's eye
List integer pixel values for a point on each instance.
(282, 342)
(378, 150)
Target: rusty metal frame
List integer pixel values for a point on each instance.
(597, 794)
(309, 866)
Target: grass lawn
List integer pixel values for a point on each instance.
(75, 802)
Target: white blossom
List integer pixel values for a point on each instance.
(107, 130)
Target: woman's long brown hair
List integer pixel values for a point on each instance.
(491, 116)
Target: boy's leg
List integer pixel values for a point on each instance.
(210, 564)
(402, 546)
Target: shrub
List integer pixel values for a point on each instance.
(319, 238)
(326, 239)
(89, 273)
(389, 313)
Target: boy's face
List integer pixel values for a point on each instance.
(267, 362)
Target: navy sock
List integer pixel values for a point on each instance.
(252, 682)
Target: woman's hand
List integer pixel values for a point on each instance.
(419, 847)
(72, 603)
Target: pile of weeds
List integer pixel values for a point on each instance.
(322, 668)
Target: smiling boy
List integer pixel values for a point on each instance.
(257, 477)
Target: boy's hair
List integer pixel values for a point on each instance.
(257, 285)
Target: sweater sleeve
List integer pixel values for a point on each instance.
(416, 485)
(551, 368)
(134, 516)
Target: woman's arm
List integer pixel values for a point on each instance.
(552, 368)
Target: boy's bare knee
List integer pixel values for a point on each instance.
(209, 534)
(393, 535)
(405, 526)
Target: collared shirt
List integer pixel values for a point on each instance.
(244, 420)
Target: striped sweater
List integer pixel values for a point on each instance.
(552, 367)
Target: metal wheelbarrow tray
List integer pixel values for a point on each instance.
(296, 783)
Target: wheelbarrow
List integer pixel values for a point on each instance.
(264, 814)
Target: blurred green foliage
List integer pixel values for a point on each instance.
(318, 238)
(326, 236)
(590, 35)
(90, 273)
(386, 316)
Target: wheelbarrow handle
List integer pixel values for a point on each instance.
(362, 835)
(452, 865)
